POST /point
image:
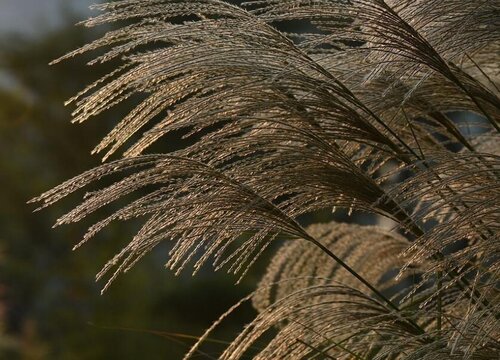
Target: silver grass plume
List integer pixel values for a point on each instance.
(353, 112)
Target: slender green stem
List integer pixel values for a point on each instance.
(327, 251)
(462, 283)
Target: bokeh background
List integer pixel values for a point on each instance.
(50, 305)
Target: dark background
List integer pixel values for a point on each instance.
(50, 305)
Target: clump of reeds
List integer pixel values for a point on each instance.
(352, 111)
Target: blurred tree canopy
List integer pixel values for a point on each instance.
(53, 307)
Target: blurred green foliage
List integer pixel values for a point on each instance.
(53, 307)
